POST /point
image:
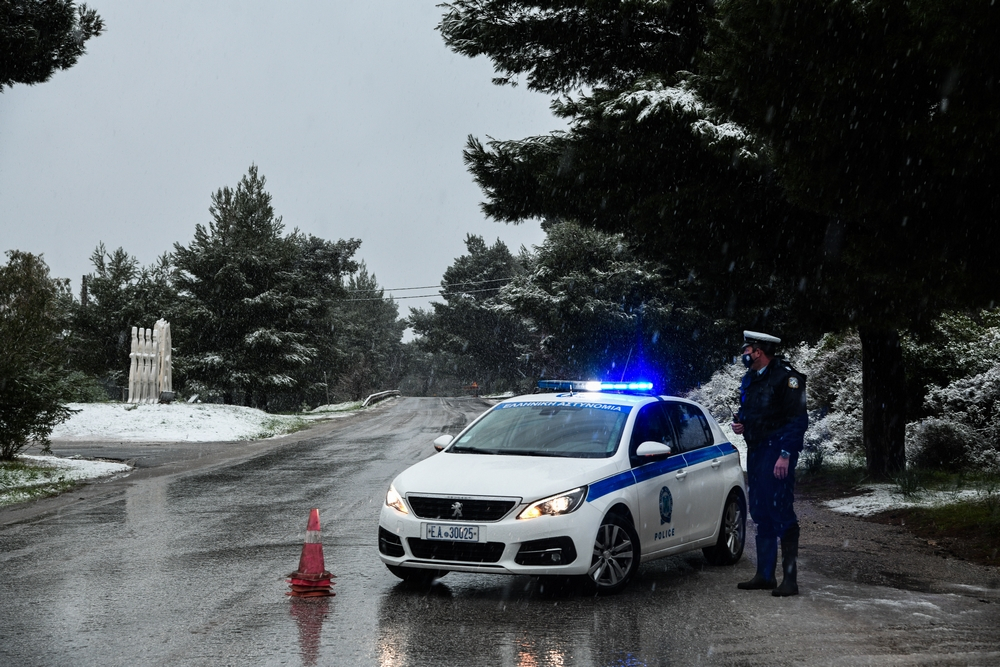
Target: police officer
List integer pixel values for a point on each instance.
(772, 419)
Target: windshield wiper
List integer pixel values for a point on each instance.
(458, 449)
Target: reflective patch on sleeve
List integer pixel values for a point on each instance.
(793, 382)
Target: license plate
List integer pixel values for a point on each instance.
(452, 532)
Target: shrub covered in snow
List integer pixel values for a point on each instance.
(963, 431)
(721, 394)
(833, 370)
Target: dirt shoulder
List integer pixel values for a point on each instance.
(889, 550)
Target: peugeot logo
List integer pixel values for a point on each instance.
(456, 510)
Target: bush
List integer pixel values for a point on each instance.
(938, 444)
(963, 431)
(721, 394)
(32, 382)
(833, 383)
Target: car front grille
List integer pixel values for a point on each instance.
(460, 509)
(466, 552)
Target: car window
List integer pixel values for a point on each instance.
(650, 426)
(576, 430)
(691, 426)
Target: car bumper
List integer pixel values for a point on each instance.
(558, 545)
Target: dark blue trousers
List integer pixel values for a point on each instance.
(770, 498)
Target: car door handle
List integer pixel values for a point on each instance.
(681, 474)
(716, 463)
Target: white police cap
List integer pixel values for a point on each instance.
(758, 337)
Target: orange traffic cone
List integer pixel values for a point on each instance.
(311, 579)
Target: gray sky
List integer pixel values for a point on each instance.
(355, 112)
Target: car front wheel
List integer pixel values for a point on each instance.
(616, 555)
(732, 533)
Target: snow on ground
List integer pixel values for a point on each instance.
(18, 485)
(75, 469)
(179, 422)
(882, 497)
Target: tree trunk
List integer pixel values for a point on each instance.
(884, 400)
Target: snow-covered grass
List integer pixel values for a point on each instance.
(29, 477)
(877, 498)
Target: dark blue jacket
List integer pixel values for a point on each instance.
(773, 407)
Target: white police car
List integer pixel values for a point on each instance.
(579, 482)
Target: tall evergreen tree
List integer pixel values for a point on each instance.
(248, 306)
(602, 313)
(881, 118)
(368, 338)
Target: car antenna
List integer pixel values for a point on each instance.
(627, 359)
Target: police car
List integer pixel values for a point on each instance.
(590, 480)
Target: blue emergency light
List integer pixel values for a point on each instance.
(593, 385)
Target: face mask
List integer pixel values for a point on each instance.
(747, 360)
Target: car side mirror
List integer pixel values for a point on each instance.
(443, 441)
(651, 448)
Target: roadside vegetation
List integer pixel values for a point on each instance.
(22, 480)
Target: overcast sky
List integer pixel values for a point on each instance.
(355, 112)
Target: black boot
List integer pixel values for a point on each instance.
(767, 554)
(789, 552)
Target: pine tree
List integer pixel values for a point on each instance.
(599, 312)
(246, 304)
(881, 118)
(368, 338)
(484, 342)
(38, 38)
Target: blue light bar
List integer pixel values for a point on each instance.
(626, 386)
(581, 385)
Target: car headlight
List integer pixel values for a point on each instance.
(395, 501)
(564, 503)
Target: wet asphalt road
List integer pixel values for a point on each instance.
(183, 563)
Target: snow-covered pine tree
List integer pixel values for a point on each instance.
(250, 300)
(485, 342)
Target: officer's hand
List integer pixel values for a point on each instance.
(781, 468)
(737, 428)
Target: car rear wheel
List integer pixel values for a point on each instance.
(732, 533)
(616, 555)
(416, 576)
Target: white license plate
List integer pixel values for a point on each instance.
(452, 532)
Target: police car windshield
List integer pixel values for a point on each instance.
(556, 428)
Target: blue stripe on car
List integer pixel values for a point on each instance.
(610, 485)
(656, 468)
